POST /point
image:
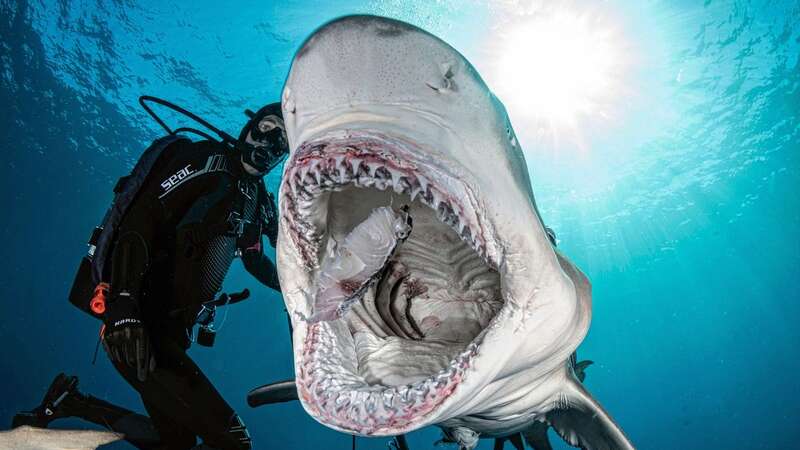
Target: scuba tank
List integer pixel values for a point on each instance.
(90, 288)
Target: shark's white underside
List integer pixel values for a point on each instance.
(29, 438)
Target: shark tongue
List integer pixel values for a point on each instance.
(358, 262)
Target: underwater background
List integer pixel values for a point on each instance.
(675, 190)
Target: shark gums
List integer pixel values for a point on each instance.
(468, 320)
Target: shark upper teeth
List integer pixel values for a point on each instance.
(437, 199)
(414, 193)
(321, 172)
(356, 164)
(372, 168)
(423, 183)
(395, 176)
(303, 172)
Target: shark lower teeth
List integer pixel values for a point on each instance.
(345, 400)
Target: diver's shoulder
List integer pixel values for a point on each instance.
(184, 148)
(211, 155)
(185, 162)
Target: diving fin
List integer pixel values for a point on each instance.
(280, 392)
(582, 422)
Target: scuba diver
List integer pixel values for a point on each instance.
(154, 270)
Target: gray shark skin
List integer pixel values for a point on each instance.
(30, 438)
(473, 323)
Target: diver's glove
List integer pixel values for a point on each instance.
(267, 155)
(125, 338)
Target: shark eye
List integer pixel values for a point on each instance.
(510, 135)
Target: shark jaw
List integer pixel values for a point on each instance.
(393, 361)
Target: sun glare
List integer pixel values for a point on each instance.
(556, 70)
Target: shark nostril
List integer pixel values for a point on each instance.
(288, 100)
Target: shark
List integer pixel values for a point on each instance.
(471, 322)
(31, 438)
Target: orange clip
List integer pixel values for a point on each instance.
(98, 302)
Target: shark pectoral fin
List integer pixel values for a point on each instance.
(283, 391)
(583, 423)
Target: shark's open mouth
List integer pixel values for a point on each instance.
(400, 351)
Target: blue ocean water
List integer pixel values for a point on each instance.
(683, 210)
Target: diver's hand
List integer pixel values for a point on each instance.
(125, 338)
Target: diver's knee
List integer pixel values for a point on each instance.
(234, 437)
(138, 429)
(237, 432)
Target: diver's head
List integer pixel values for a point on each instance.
(265, 141)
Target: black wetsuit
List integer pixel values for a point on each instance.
(197, 210)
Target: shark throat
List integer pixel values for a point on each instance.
(403, 346)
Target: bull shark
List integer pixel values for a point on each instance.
(473, 321)
(30, 438)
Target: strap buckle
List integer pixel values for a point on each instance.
(249, 190)
(237, 224)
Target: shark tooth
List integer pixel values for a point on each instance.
(303, 173)
(338, 161)
(437, 200)
(388, 399)
(372, 168)
(396, 175)
(414, 193)
(423, 183)
(356, 163)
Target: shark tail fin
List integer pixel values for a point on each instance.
(582, 422)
